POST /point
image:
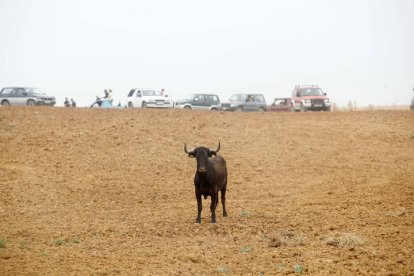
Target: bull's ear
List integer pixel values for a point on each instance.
(212, 153)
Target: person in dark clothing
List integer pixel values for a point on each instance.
(73, 103)
(97, 102)
(67, 102)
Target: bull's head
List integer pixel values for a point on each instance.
(201, 154)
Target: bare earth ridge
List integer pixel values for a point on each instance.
(108, 192)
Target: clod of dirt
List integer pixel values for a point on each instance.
(398, 213)
(285, 237)
(344, 240)
(275, 242)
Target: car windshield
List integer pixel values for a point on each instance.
(188, 97)
(33, 91)
(151, 93)
(311, 92)
(238, 98)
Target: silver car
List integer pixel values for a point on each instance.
(199, 102)
(25, 96)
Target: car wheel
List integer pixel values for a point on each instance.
(239, 109)
(302, 108)
(261, 109)
(187, 107)
(30, 103)
(144, 105)
(5, 103)
(214, 109)
(130, 105)
(328, 109)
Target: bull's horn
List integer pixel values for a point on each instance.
(214, 151)
(187, 151)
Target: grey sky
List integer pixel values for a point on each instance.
(356, 50)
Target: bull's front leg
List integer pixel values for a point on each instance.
(213, 205)
(199, 206)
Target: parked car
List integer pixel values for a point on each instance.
(245, 102)
(25, 96)
(199, 102)
(280, 105)
(309, 97)
(151, 98)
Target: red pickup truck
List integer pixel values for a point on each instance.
(309, 97)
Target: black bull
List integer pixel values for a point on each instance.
(210, 178)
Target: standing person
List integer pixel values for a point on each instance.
(73, 103)
(109, 97)
(105, 97)
(67, 103)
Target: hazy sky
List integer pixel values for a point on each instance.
(355, 50)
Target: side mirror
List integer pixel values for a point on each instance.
(324, 94)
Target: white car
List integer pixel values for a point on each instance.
(148, 98)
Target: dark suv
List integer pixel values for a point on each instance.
(199, 102)
(25, 96)
(245, 102)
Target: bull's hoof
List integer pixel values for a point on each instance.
(224, 214)
(198, 220)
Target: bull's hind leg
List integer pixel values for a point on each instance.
(223, 199)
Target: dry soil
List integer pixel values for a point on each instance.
(110, 191)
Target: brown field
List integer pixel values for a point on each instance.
(110, 192)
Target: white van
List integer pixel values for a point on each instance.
(148, 98)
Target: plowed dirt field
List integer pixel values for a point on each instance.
(110, 192)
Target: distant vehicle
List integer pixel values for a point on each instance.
(199, 102)
(309, 97)
(245, 102)
(280, 105)
(25, 96)
(147, 98)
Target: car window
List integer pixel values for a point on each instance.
(237, 98)
(33, 91)
(311, 92)
(20, 92)
(211, 99)
(199, 99)
(151, 93)
(6, 91)
(280, 102)
(139, 93)
(258, 98)
(131, 93)
(250, 98)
